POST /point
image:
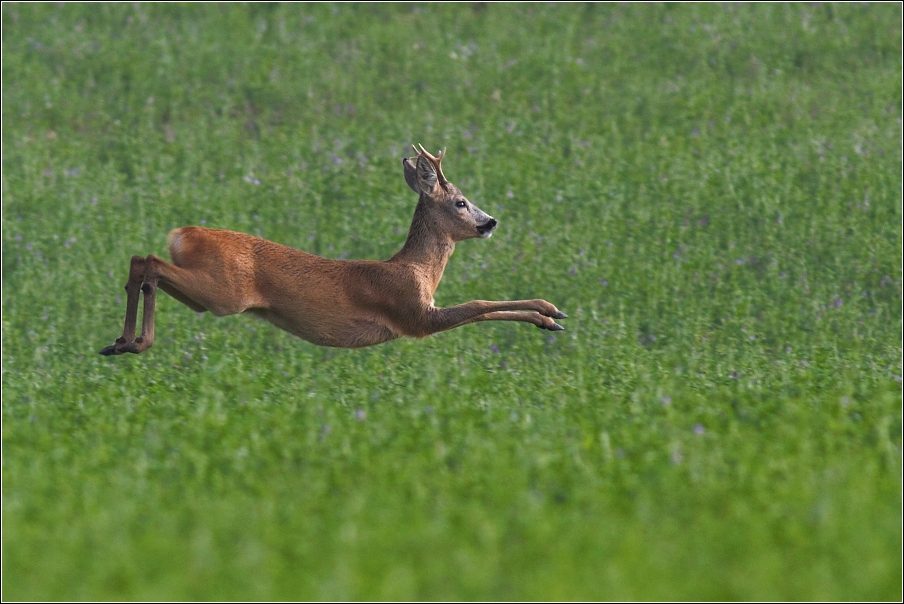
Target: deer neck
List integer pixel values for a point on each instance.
(427, 246)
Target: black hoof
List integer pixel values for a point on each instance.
(109, 350)
(560, 315)
(556, 327)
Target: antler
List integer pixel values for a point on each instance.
(437, 161)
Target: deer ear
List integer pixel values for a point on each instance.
(426, 175)
(411, 175)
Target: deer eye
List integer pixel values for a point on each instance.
(460, 204)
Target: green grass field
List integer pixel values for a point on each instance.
(712, 193)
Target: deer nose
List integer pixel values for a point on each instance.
(486, 229)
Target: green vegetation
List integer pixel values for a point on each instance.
(712, 193)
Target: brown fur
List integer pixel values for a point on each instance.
(348, 304)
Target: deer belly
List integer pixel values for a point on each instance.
(326, 330)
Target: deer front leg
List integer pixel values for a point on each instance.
(524, 316)
(441, 319)
(133, 289)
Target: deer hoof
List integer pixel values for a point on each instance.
(559, 315)
(130, 347)
(109, 350)
(556, 327)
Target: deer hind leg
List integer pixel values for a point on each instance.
(149, 289)
(133, 289)
(145, 276)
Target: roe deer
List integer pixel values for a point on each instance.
(348, 304)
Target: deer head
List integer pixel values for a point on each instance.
(449, 210)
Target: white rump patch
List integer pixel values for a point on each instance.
(175, 242)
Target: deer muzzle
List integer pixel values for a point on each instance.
(486, 229)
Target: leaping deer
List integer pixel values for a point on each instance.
(348, 304)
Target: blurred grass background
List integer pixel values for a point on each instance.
(713, 194)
